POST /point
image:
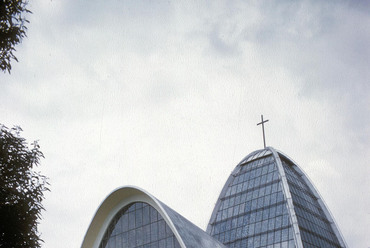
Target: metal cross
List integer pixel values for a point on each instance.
(263, 129)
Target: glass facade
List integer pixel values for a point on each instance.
(139, 225)
(266, 202)
(253, 211)
(314, 227)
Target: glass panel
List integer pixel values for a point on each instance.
(314, 226)
(257, 207)
(139, 225)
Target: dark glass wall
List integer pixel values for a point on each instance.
(253, 211)
(139, 225)
(314, 227)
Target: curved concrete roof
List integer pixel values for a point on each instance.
(187, 234)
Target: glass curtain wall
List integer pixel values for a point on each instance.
(139, 225)
(314, 227)
(253, 212)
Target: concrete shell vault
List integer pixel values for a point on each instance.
(186, 233)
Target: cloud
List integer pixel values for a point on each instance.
(155, 93)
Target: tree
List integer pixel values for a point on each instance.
(21, 190)
(12, 29)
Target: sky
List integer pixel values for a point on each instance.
(166, 95)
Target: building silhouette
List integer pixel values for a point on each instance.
(267, 201)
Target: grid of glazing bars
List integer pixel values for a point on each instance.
(253, 212)
(314, 226)
(139, 225)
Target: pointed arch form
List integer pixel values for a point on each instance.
(287, 175)
(186, 233)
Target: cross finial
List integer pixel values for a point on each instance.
(263, 129)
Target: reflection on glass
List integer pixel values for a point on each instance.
(314, 227)
(139, 225)
(257, 194)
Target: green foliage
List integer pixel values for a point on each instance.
(21, 190)
(12, 29)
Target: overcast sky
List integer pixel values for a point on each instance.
(166, 95)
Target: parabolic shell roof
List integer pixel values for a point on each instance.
(268, 201)
(106, 228)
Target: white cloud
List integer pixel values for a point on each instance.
(166, 96)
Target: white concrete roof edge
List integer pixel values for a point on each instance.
(106, 212)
